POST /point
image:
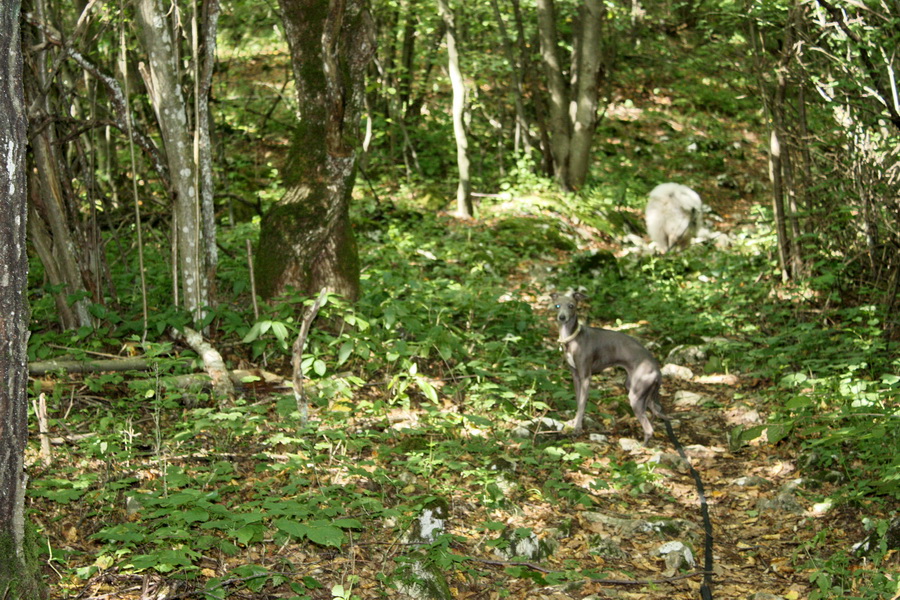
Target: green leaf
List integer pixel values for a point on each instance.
(120, 533)
(427, 388)
(478, 420)
(319, 367)
(777, 432)
(798, 402)
(245, 534)
(293, 528)
(325, 535)
(254, 332)
(753, 433)
(280, 331)
(347, 523)
(195, 515)
(344, 352)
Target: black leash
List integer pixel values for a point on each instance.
(706, 587)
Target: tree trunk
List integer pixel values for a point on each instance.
(16, 577)
(523, 126)
(775, 174)
(786, 224)
(306, 241)
(164, 87)
(204, 75)
(560, 129)
(464, 189)
(588, 72)
(57, 247)
(534, 87)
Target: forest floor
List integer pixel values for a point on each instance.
(150, 496)
(603, 527)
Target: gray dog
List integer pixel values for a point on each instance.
(674, 215)
(589, 351)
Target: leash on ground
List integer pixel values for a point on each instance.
(706, 586)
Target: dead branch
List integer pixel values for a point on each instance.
(297, 361)
(89, 366)
(212, 360)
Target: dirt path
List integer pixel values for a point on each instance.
(759, 519)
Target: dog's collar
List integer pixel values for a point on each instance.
(565, 340)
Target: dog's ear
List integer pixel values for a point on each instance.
(579, 296)
(554, 296)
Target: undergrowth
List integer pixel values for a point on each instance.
(415, 390)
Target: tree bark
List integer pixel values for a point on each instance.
(464, 206)
(16, 580)
(775, 174)
(53, 234)
(204, 75)
(523, 126)
(164, 87)
(306, 241)
(560, 129)
(588, 71)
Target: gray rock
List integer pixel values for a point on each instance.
(514, 545)
(676, 555)
(677, 372)
(685, 398)
(686, 355)
(751, 481)
(607, 548)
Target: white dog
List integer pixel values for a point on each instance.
(674, 215)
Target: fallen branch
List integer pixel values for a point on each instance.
(212, 360)
(89, 366)
(40, 412)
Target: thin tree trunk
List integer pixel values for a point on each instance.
(807, 167)
(588, 71)
(535, 91)
(49, 195)
(791, 191)
(464, 206)
(42, 242)
(407, 57)
(204, 74)
(786, 224)
(16, 579)
(775, 174)
(164, 87)
(523, 127)
(560, 125)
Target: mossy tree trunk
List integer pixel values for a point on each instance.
(16, 580)
(573, 100)
(306, 241)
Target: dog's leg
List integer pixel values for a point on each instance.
(654, 404)
(638, 400)
(641, 395)
(582, 391)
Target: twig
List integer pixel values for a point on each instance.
(299, 390)
(252, 280)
